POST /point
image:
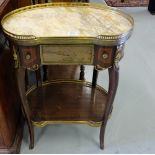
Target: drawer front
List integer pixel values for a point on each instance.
(104, 56)
(67, 54)
(29, 56)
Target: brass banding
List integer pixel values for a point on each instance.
(44, 123)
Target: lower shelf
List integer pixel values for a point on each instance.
(69, 101)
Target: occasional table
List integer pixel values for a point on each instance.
(67, 34)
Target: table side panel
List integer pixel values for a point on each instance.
(29, 56)
(104, 56)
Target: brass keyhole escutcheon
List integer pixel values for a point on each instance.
(105, 56)
(28, 56)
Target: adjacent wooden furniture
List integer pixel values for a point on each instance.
(5, 7)
(11, 121)
(21, 3)
(151, 7)
(50, 37)
(127, 3)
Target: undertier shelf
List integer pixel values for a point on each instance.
(67, 102)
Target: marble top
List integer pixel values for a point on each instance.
(61, 21)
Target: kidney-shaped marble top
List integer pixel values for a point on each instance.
(72, 21)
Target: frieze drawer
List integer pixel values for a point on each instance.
(67, 54)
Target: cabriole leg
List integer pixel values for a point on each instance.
(20, 74)
(113, 83)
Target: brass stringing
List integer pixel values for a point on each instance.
(119, 54)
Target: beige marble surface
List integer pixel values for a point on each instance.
(67, 21)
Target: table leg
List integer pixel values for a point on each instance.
(45, 73)
(113, 83)
(82, 72)
(26, 80)
(151, 7)
(95, 76)
(33, 2)
(38, 77)
(20, 74)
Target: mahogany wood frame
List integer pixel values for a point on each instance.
(113, 83)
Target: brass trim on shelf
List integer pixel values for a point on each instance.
(85, 83)
(105, 40)
(82, 82)
(44, 123)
